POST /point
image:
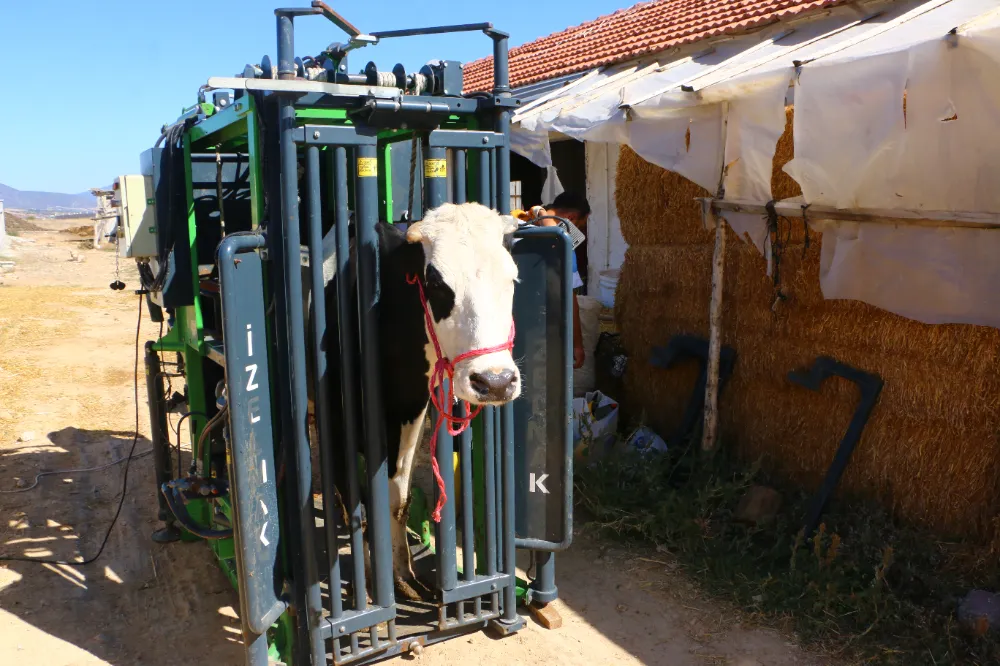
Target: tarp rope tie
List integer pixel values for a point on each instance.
(444, 368)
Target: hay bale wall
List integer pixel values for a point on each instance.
(930, 450)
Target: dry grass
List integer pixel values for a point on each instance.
(930, 450)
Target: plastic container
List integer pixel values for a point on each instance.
(607, 284)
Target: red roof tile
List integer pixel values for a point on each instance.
(649, 27)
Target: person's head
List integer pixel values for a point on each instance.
(572, 206)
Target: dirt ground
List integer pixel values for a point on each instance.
(66, 401)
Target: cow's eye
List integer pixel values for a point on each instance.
(440, 296)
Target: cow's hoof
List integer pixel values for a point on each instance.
(409, 591)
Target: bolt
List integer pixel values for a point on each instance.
(316, 134)
(493, 587)
(222, 102)
(343, 68)
(342, 629)
(486, 139)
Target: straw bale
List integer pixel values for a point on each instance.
(784, 186)
(930, 450)
(656, 206)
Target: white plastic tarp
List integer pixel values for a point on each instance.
(854, 146)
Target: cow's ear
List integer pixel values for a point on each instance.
(414, 234)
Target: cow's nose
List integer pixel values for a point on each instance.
(493, 386)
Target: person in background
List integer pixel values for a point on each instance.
(574, 208)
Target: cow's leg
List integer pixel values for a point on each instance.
(97, 234)
(399, 505)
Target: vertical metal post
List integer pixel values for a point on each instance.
(446, 543)
(509, 554)
(435, 176)
(543, 588)
(322, 381)
(485, 178)
(468, 509)
(366, 203)
(461, 195)
(490, 481)
(347, 325)
(498, 485)
(161, 443)
(286, 47)
(308, 595)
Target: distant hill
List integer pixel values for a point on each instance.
(48, 202)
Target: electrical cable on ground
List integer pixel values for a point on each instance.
(128, 463)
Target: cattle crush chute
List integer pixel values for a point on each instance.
(274, 185)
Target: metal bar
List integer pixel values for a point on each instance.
(436, 30)
(353, 622)
(465, 139)
(490, 481)
(543, 587)
(336, 135)
(509, 554)
(501, 74)
(302, 87)
(502, 153)
(347, 326)
(366, 204)
(286, 47)
(446, 545)
(468, 509)
(336, 18)
(460, 177)
(161, 438)
(483, 195)
(498, 487)
(476, 587)
(436, 176)
(442, 105)
(321, 378)
(493, 179)
(308, 595)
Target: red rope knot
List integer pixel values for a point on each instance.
(444, 368)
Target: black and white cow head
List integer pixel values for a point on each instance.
(468, 277)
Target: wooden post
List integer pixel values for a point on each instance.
(708, 436)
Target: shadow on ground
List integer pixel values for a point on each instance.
(139, 603)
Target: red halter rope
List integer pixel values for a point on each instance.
(445, 368)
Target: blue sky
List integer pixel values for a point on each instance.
(86, 85)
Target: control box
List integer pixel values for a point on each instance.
(137, 224)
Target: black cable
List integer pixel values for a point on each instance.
(128, 464)
(180, 472)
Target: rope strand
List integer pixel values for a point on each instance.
(444, 368)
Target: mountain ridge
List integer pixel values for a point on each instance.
(33, 200)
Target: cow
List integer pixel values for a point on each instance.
(446, 294)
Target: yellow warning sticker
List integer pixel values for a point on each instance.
(435, 168)
(367, 167)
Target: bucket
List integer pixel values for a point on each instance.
(607, 283)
